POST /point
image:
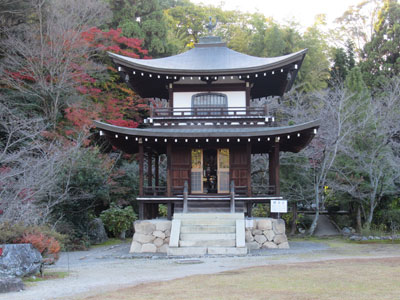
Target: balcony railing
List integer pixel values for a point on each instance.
(188, 112)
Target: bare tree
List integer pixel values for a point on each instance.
(46, 60)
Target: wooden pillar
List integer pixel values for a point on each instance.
(274, 167)
(157, 170)
(169, 171)
(149, 169)
(248, 154)
(171, 95)
(248, 89)
(141, 158)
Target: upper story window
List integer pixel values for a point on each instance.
(209, 103)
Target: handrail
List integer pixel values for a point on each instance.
(208, 111)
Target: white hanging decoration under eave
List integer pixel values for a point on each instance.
(101, 133)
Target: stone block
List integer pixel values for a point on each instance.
(19, 260)
(163, 248)
(97, 234)
(158, 242)
(10, 284)
(264, 224)
(144, 227)
(166, 240)
(159, 234)
(256, 231)
(240, 233)
(253, 245)
(163, 225)
(136, 247)
(278, 225)
(249, 236)
(149, 248)
(143, 238)
(167, 232)
(260, 238)
(280, 238)
(284, 245)
(269, 234)
(270, 245)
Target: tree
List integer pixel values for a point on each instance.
(44, 62)
(381, 56)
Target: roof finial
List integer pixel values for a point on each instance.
(210, 26)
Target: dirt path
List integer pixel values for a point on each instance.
(110, 268)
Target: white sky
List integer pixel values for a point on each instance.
(303, 11)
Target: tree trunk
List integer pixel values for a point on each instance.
(315, 221)
(294, 219)
(359, 225)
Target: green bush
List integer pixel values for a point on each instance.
(117, 220)
(261, 211)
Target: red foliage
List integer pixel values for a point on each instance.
(47, 246)
(124, 123)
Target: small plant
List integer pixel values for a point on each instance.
(117, 220)
(48, 246)
(162, 210)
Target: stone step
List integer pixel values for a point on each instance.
(205, 222)
(208, 229)
(206, 209)
(227, 251)
(208, 216)
(207, 236)
(187, 251)
(208, 243)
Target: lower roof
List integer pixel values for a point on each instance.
(291, 138)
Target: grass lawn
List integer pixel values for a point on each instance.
(335, 279)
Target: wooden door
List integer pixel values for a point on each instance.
(197, 171)
(180, 169)
(239, 167)
(223, 170)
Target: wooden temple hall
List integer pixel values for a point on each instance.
(209, 130)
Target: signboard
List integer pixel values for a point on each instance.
(279, 206)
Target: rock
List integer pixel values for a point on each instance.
(136, 247)
(166, 241)
(10, 284)
(280, 238)
(143, 238)
(253, 245)
(144, 227)
(346, 231)
(159, 234)
(256, 231)
(168, 232)
(355, 238)
(149, 248)
(302, 230)
(269, 234)
(260, 238)
(278, 226)
(19, 260)
(284, 245)
(158, 242)
(96, 232)
(270, 245)
(163, 249)
(264, 224)
(248, 236)
(364, 238)
(163, 225)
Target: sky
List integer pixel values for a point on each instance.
(303, 11)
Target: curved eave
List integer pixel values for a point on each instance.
(152, 65)
(126, 136)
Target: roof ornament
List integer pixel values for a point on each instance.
(210, 26)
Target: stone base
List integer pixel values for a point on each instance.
(266, 233)
(151, 236)
(10, 284)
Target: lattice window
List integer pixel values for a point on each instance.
(210, 104)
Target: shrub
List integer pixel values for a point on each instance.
(117, 220)
(47, 246)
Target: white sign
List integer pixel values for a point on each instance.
(279, 206)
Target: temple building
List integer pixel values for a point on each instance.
(208, 131)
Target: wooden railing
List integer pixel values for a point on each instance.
(184, 112)
(154, 190)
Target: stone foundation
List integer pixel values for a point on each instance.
(151, 236)
(266, 233)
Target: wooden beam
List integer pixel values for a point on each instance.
(169, 171)
(248, 90)
(157, 170)
(141, 159)
(209, 88)
(171, 94)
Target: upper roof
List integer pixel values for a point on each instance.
(209, 57)
(210, 63)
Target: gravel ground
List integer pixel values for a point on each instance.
(108, 268)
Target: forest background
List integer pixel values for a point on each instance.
(57, 174)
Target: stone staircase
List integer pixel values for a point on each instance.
(194, 234)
